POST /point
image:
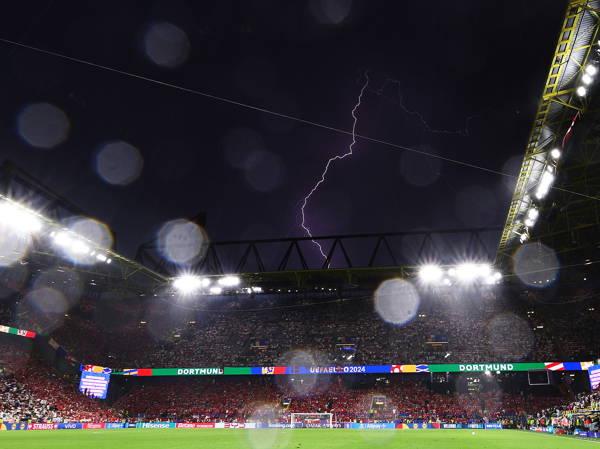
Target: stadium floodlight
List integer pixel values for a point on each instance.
(529, 222)
(533, 214)
(586, 79)
(484, 270)
(591, 70)
(187, 283)
(62, 239)
(215, 290)
(467, 272)
(205, 282)
(523, 237)
(430, 273)
(229, 281)
(555, 153)
(79, 247)
(581, 91)
(544, 185)
(489, 280)
(19, 218)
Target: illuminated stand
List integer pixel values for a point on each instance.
(311, 420)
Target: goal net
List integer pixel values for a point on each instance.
(311, 420)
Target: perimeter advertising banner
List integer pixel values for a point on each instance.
(15, 331)
(358, 369)
(144, 372)
(482, 367)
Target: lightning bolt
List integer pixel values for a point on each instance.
(460, 132)
(329, 163)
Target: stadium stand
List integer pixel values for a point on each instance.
(34, 394)
(582, 414)
(481, 326)
(401, 401)
(474, 329)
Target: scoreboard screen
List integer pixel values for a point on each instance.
(94, 385)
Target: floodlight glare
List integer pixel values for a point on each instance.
(187, 283)
(591, 69)
(19, 218)
(555, 153)
(467, 272)
(214, 290)
(229, 281)
(430, 273)
(581, 91)
(79, 247)
(586, 79)
(544, 185)
(529, 222)
(205, 282)
(533, 213)
(63, 239)
(484, 270)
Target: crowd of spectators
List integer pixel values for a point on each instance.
(449, 326)
(581, 414)
(36, 394)
(32, 391)
(256, 399)
(262, 332)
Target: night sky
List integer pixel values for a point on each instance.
(476, 67)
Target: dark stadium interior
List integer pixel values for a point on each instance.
(331, 213)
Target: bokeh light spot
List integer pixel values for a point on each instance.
(330, 12)
(43, 125)
(87, 241)
(62, 280)
(12, 279)
(182, 242)
(536, 265)
(119, 163)
(13, 245)
(419, 170)
(239, 144)
(166, 45)
(509, 337)
(397, 301)
(264, 171)
(43, 309)
(266, 438)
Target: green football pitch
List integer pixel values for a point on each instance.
(286, 438)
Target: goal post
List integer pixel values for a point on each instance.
(311, 420)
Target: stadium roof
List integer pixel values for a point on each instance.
(564, 101)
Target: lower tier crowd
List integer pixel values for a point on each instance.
(35, 395)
